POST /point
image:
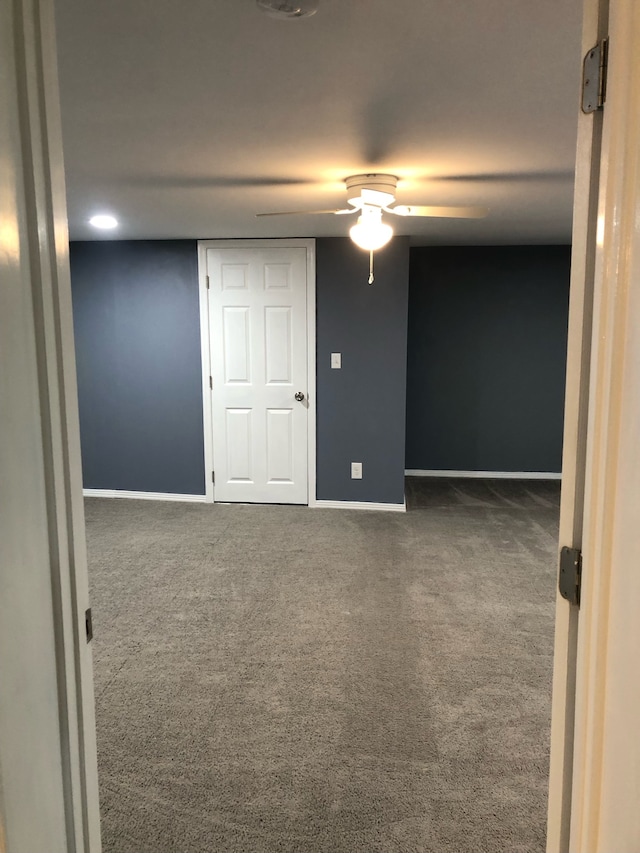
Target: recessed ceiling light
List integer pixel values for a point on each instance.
(288, 8)
(104, 221)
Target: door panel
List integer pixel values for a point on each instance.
(258, 341)
(238, 438)
(278, 344)
(237, 346)
(279, 446)
(277, 276)
(234, 276)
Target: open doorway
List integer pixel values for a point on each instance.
(250, 689)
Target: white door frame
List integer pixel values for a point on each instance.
(43, 606)
(48, 767)
(579, 343)
(606, 771)
(595, 753)
(293, 243)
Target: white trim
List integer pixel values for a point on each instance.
(485, 475)
(606, 762)
(574, 465)
(143, 496)
(285, 243)
(311, 371)
(360, 505)
(205, 355)
(48, 762)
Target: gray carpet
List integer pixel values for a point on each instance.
(325, 681)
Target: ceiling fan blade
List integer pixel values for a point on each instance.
(509, 177)
(444, 212)
(306, 212)
(200, 181)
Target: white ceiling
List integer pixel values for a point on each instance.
(187, 117)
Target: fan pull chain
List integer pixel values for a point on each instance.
(371, 267)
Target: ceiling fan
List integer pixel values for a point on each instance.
(373, 194)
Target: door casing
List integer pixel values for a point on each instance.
(293, 243)
(595, 755)
(48, 759)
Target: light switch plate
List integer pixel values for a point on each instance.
(336, 360)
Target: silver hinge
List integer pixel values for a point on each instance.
(594, 77)
(88, 625)
(208, 283)
(213, 477)
(211, 382)
(570, 574)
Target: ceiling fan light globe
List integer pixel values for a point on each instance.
(370, 236)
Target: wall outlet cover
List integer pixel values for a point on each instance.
(336, 360)
(356, 470)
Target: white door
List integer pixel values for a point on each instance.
(595, 748)
(258, 342)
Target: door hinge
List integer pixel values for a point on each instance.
(88, 625)
(594, 77)
(213, 477)
(208, 282)
(570, 574)
(211, 382)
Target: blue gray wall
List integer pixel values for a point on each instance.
(361, 407)
(139, 374)
(136, 318)
(486, 357)
(485, 352)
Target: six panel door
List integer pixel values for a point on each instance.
(258, 340)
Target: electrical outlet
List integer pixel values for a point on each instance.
(336, 360)
(356, 470)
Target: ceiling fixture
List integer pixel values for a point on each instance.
(370, 232)
(288, 8)
(371, 195)
(104, 221)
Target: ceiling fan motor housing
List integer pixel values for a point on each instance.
(285, 9)
(372, 189)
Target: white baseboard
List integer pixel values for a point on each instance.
(360, 505)
(142, 496)
(486, 475)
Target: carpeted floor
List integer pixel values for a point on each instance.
(325, 681)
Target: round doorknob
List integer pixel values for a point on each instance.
(299, 396)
